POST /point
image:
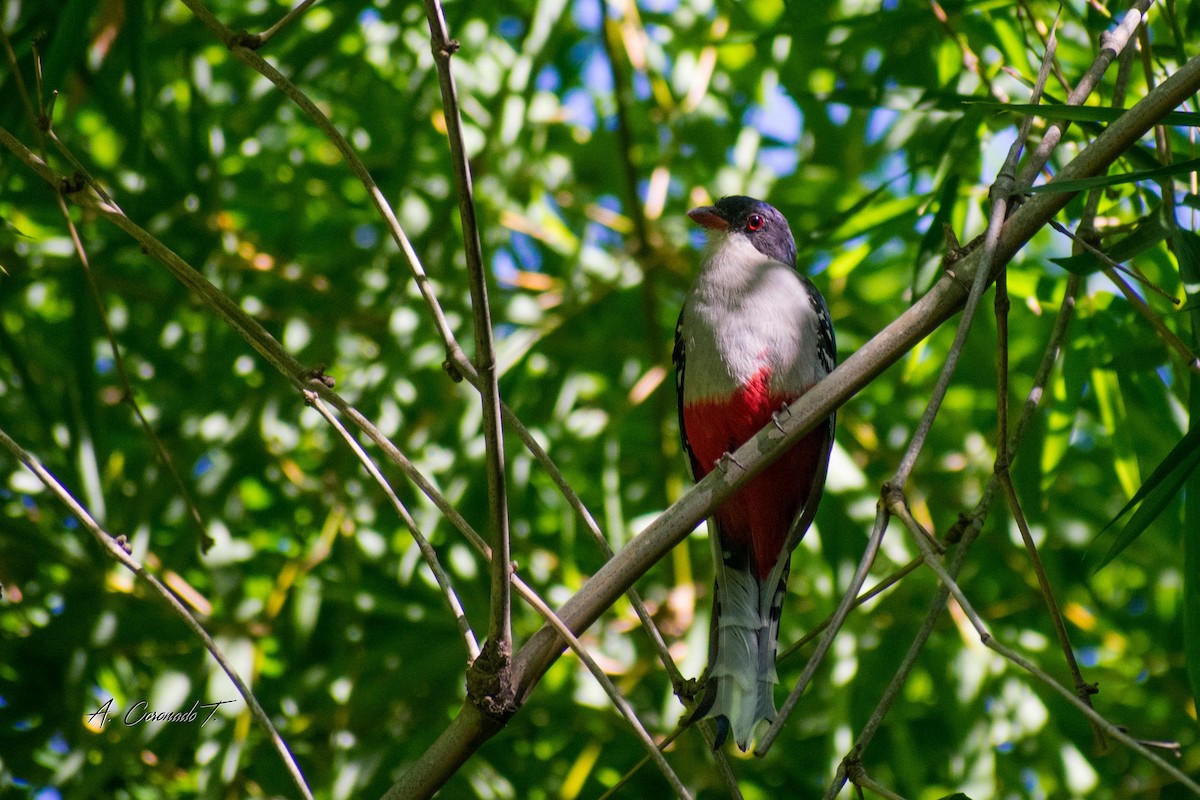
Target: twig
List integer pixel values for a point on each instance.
(973, 524)
(948, 582)
(861, 780)
(431, 557)
(500, 621)
(471, 728)
(882, 586)
(456, 361)
(848, 601)
(113, 548)
(941, 302)
(1000, 192)
(970, 60)
(270, 32)
(41, 122)
(1111, 45)
(1106, 259)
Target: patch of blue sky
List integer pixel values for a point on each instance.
(504, 267)
(777, 117)
(994, 153)
(368, 17)
(1029, 779)
(641, 86)
(47, 793)
(580, 108)
(659, 33)
(529, 255)
(1005, 747)
(873, 58)
(659, 6)
(601, 237)
(203, 464)
(365, 236)
(923, 184)
(879, 122)
(780, 160)
(511, 28)
(610, 202)
(819, 262)
(892, 166)
(597, 74)
(838, 113)
(1089, 656)
(587, 14)
(548, 79)
(1166, 375)
(104, 365)
(58, 743)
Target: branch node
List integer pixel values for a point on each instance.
(489, 681)
(317, 375)
(451, 368)
(123, 543)
(243, 38)
(73, 184)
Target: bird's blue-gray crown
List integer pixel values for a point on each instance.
(760, 222)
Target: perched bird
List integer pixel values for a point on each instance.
(753, 335)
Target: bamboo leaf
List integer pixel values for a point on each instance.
(1079, 113)
(1154, 495)
(1170, 170)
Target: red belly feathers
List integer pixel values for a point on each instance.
(759, 515)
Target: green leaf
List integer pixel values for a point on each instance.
(1079, 113)
(1170, 170)
(1154, 495)
(1187, 253)
(1147, 234)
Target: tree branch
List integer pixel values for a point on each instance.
(498, 650)
(113, 547)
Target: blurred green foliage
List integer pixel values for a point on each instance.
(848, 116)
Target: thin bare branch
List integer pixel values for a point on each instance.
(112, 546)
(1111, 44)
(500, 621)
(948, 582)
(286, 19)
(431, 557)
(848, 601)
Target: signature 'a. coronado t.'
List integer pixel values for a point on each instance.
(754, 334)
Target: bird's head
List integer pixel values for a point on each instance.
(761, 223)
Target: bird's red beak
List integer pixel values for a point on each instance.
(709, 218)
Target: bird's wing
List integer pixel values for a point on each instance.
(679, 358)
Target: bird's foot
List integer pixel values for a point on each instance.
(727, 457)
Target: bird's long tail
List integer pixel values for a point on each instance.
(740, 689)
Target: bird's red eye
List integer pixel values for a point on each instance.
(754, 222)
